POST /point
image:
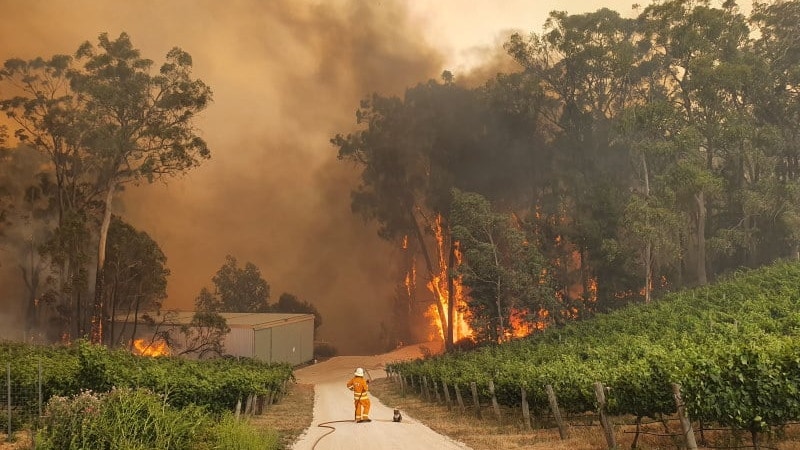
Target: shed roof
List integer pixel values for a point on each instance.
(255, 321)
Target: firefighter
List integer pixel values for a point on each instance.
(360, 387)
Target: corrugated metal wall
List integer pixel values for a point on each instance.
(292, 342)
(239, 342)
(263, 344)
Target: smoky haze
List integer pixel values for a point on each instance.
(287, 75)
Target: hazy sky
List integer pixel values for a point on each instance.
(287, 75)
(464, 29)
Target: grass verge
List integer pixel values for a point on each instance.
(291, 416)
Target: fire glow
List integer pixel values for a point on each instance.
(461, 328)
(156, 348)
(518, 323)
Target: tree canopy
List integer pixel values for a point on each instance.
(239, 289)
(635, 155)
(104, 121)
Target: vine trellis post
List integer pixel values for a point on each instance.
(495, 405)
(526, 412)
(447, 396)
(551, 398)
(686, 424)
(608, 428)
(473, 386)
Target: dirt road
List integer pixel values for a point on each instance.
(333, 427)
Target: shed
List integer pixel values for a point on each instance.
(269, 337)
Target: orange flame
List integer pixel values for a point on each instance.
(411, 279)
(155, 348)
(461, 328)
(521, 325)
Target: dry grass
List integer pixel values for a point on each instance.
(291, 416)
(20, 441)
(584, 434)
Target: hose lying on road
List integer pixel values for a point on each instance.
(331, 429)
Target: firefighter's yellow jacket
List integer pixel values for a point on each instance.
(360, 388)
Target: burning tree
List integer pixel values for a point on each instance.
(412, 152)
(506, 275)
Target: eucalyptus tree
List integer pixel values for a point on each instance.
(43, 111)
(411, 152)
(778, 105)
(142, 124)
(25, 208)
(699, 53)
(137, 276)
(651, 220)
(239, 289)
(289, 303)
(106, 121)
(505, 273)
(585, 65)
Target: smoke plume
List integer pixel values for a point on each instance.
(287, 75)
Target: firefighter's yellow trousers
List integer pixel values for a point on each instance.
(362, 409)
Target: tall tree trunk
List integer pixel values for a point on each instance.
(451, 300)
(112, 313)
(648, 248)
(648, 271)
(135, 323)
(32, 285)
(499, 287)
(700, 240)
(431, 278)
(98, 314)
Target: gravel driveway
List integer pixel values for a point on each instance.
(333, 427)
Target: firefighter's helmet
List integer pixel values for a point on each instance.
(359, 372)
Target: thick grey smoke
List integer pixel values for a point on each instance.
(287, 75)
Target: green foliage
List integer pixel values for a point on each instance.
(214, 384)
(103, 399)
(502, 271)
(289, 303)
(204, 336)
(732, 347)
(230, 433)
(135, 271)
(140, 419)
(239, 289)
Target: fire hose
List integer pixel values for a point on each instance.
(331, 428)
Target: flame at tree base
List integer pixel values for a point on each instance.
(461, 330)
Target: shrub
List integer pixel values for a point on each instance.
(138, 419)
(67, 421)
(123, 418)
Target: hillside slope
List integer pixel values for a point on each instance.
(731, 346)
